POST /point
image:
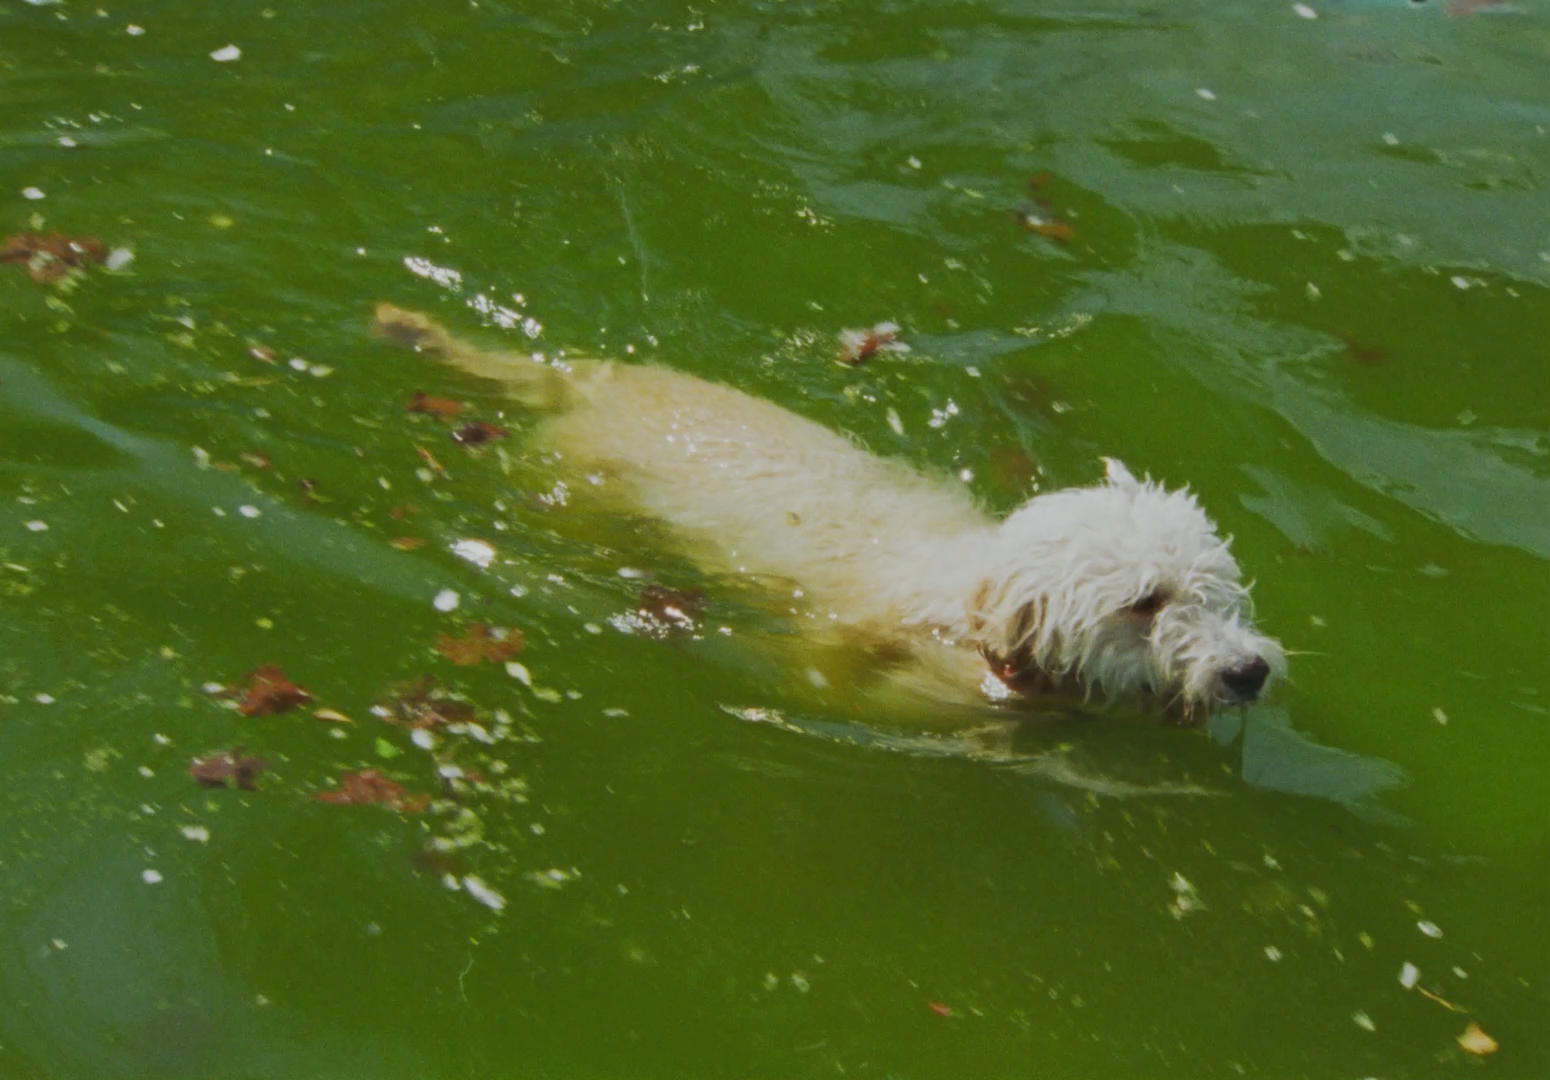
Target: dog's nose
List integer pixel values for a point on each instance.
(1245, 681)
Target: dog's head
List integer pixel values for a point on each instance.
(1125, 589)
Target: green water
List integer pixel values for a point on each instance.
(1316, 292)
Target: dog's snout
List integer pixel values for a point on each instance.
(1245, 681)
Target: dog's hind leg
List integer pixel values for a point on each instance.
(530, 381)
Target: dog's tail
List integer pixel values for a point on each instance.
(529, 380)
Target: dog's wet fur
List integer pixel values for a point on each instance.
(1122, 590)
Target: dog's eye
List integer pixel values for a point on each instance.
(1150, 604)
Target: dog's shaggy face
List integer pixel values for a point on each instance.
(1124, 589)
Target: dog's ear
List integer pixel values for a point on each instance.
(1117, 475)
(1005, 627)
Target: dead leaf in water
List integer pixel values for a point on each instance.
(269, 692)
(50, 259)
(481, 643)
(418, 705)
(1361, 352)
(369, 786)
(215, 770)
(477, 433)
(1049, 227)
(421, 402)
(859, 346)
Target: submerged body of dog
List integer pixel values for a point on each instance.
(1123, 588)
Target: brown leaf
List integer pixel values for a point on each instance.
(425, 455)
(433, 406)
(859, 346)
(1361, 352)
(263, 354)
(1037, 182)
(269, 692)
(370, 786)
(256, 460)
(214, 770)
(50, 259)
(1049, 227)
(417, 705)
(495, 644)
(408, 543)
(478, 432)
(1476, 1041)
(332, 716)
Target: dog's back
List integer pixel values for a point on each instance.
(753, 487)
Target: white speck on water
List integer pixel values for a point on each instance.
(1313, 291)
(478, 552)
(1363, 1021)
(134, 31)
(33, 193)
(44, 699)
(217, 511)
(913, 162)
(592, 628)
(446, 600)
(249, 511)
(1390, 139)
(1272, 954)
(67, 142)
(423, 739)
(894, 422)
(37, 526)
(297, 363)
(197, 833)
(146, 771)
(1460, 282)
(1430, 929)
(1409, 975)
(1439, 716)
(481, 892)
(520, 673)
(799, 981)
(631, 573)
(150, 877)
(1304, 11)
(226, 54)
(1205, 94)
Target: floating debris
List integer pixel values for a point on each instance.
(269, 692)
(227, 766)
(481, 643)
(859, 346)
(370, 786)
(51, 259)
(1476, 1041)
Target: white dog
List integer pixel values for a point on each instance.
(1123, 588)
